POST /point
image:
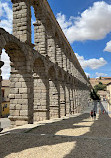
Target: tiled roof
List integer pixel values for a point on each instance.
(106, 77)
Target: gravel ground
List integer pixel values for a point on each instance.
(75, 137)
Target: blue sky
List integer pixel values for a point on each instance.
(87, 26)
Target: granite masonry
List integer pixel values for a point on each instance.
(47, 80)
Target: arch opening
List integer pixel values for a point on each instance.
(19, 89)
(62, 94)
(41, 108)
(33, 19)
(54, 94)
(50, 40)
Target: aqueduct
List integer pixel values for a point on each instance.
(47, 80)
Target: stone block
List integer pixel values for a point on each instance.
(20, 122)
(24, 107)
(25, 96)
(18, 85)
(12, 107)
(18, 106)
(14, 91)
(23, 112)
(24, 85)
(13, 101)
(11, 96)
(23, 90)
(14, 112)
(18, 96)
(23, 101)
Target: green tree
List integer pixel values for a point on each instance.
(99, 86)
(94, 95)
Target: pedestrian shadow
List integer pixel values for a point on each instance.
(40, 136)
(90, 144)
(95, 106)
(96, 142)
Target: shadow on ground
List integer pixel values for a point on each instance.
(94, 143)
(97, 142)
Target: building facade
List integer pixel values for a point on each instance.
(102, 94)
(5, 98)
(109, 92)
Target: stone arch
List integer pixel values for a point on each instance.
(63, 56)
(60, 74)
(68, 60)
(58, 50)
(21, 90)
(65, 77)
(40, 40)
(52, 73)
(72, 97)
(41, 108)
(76, 94)
(8, 41)
(66, 82)
(50, 33)
(69, 86)
(62, 94)
(54, 93)
(49, 50)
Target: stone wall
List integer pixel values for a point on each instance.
(47, 81)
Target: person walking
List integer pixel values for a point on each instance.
(99, 111)
(91, 114)
(1, 129)
(94, 115)
(103, 111)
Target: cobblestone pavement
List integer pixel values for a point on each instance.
(76, 137)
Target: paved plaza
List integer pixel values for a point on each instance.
(77, 136)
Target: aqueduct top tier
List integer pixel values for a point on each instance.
(47, 80)
(49, 39)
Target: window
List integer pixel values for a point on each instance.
(5, 106)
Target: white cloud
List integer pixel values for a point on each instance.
(6, 16)
(87, 74)
(61, 18)
(100, 74)
(6, 68)
(93, 24)
(91, 63)
(108, 47)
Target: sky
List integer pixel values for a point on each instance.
(87, 26)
